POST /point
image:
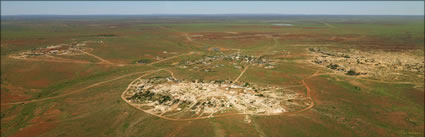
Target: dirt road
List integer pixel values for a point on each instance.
(97, 57)
(52, 60)
(190, 53)
(187, 37)
(79, 90)
(102, 61)
(327, 24)
(240, 75)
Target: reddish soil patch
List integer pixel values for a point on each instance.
(416, 96)
(34, 130)
(178, 129)
(395, 118)
(344, 38)
(40, 124)
(13, 94)
(39, 83)
(299, 36)
(47, 116)
(24, 69)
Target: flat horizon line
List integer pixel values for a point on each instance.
(224, 14)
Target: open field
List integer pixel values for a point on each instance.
(301, 68)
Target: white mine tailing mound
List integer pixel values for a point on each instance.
(169, 97)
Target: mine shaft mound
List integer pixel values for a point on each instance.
(175, 99)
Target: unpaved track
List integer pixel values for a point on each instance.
(182, 33)
(97, 57)
(258, 129)
(53, 60)
(59, 58)
(243, 72)
(187, 37)
(76, 91)
(190, 53)
(134, 123)
(171, 73)
(96, 84)
(276, 43)
(327, 24)
(103, 62)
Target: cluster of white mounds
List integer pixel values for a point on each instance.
(74, 48)
(168, 97)
(375, 64)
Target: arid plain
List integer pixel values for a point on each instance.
(224, 75)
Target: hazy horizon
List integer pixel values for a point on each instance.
(226, 14)
(212, 7)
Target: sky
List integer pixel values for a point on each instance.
(212, 7)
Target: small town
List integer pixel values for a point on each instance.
(237, 60)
